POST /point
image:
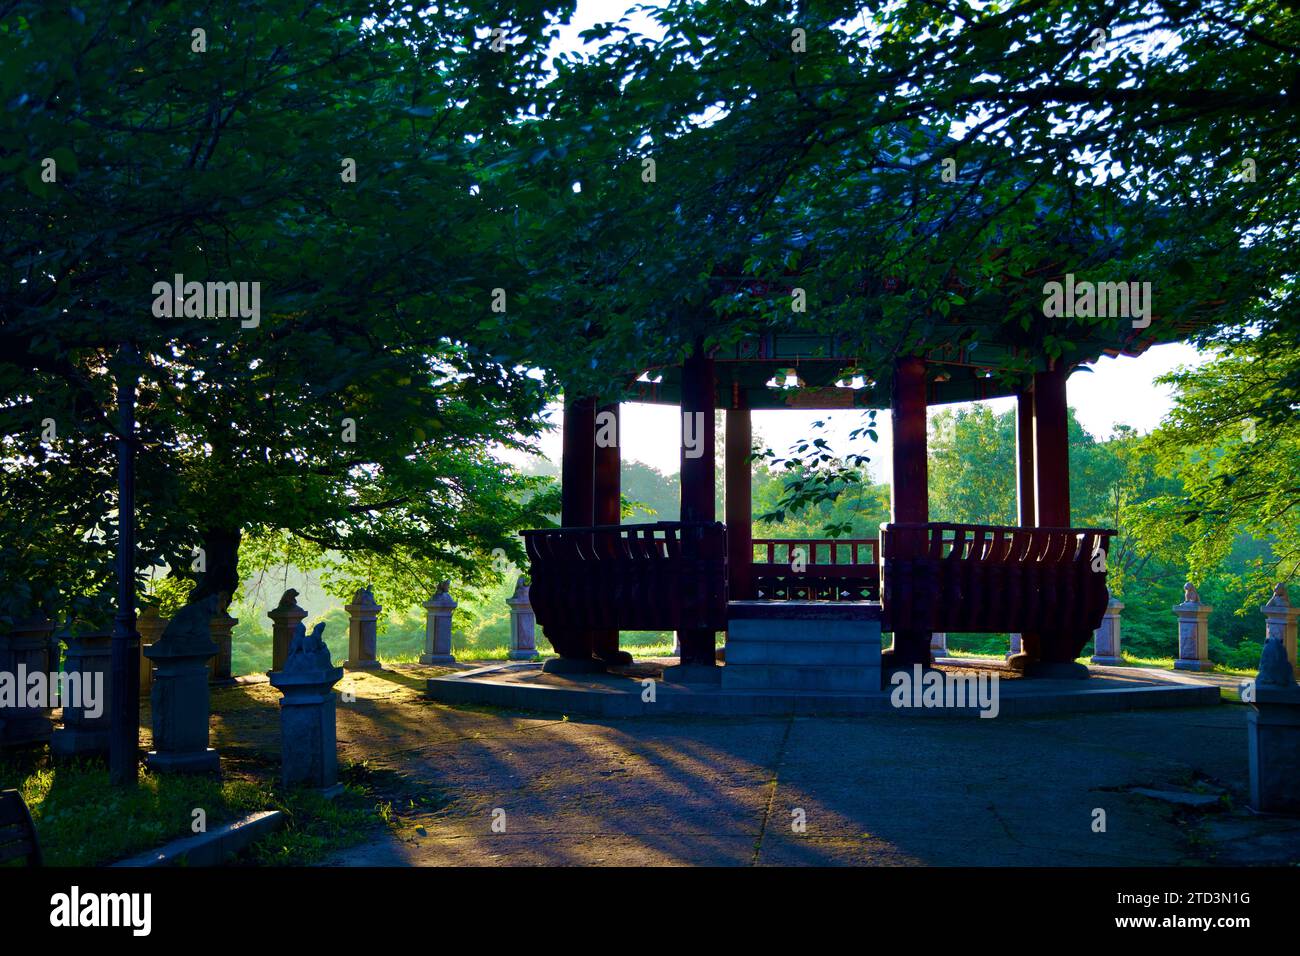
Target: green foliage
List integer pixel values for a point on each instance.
(815, 482)
(826, 163)
(1113, 483)
(972, 467)
(1234, 438)
(227, 165)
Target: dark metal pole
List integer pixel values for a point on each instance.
(124, 694)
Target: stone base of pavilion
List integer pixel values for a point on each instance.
(622, 692)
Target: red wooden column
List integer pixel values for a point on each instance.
(577, 463)
(1024, 647)
(1052, 652)
(577, 500)
(740, 500)
(910, 490)
(697, 489)
(607, 490)
(1026, 514)
(1051, 449)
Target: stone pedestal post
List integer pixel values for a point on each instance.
(179, 698)
(221, 626)
(437, 626)
(25, 651)
(938, 644)
(84, 694)
(308, 741)
(1016, 646)
(1193, 632)
(285, 619)
(363, 631)
(1106, 639)
(150, 625)
(1281, 623)
(523, 624)
(1273, 733)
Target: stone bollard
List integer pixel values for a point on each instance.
(284, 624)
(938, 644)
(523, 624)
(1281, 623)
(150, 625)
(1016, 646)
(1193, 632)
(437, 626)
(85, 696)
(308, 740)
(1273, 733)
(221, 626)
(179, 699)
(24, 652)
(1106, 639)
(363, 631)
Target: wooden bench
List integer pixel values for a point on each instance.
(17, 831)
(833, 569)
(665, 576)
(1048, 584)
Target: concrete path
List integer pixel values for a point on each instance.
(486, 787)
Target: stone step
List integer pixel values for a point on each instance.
(857, 653)
(825, 632)
(804, 677)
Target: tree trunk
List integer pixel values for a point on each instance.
(221, 563)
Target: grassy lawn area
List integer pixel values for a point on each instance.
(83, 821)
(1168, 664)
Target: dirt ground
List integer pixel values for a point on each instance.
(491, 787)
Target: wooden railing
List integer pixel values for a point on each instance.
(665, 576)
(815, 569)
(972, 578)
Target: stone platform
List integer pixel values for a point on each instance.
(805, 646)
(624, 692)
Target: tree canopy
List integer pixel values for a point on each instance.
(446, 220)
(327, 155)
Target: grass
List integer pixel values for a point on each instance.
(254, 654)
(1167, 663)
(316, 827)
(1130, 660)
(81, 820)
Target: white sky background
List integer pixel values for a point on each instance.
(1115, 391)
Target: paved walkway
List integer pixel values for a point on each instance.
(885, 790)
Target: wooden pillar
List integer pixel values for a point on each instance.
(697, 477)
(911, 486)
(910, 490)
(606, 507)
(1051, 449)
(607, 465)
(1024, 648)
(577, 463)
(740, 500)
(1026, 514)
(577, 500)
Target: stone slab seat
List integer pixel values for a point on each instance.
(803, 646)
(1048, 584)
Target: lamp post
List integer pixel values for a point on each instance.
(124, 739)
